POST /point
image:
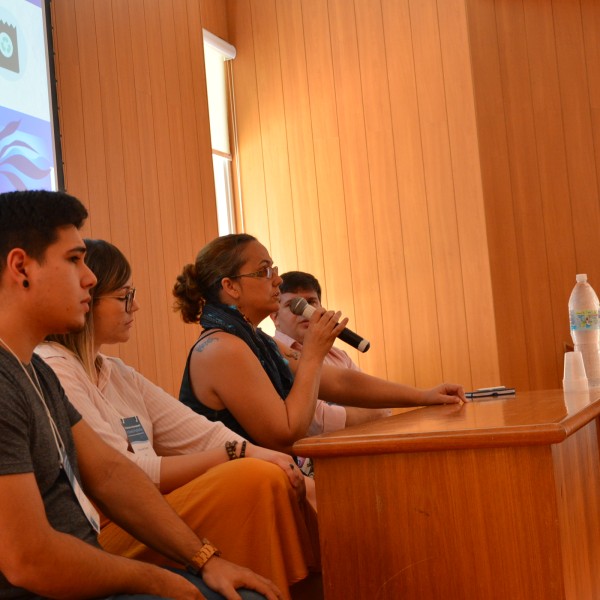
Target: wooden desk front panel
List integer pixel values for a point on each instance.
(577, 469)
(462, 524)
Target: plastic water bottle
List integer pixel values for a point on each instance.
(585, 327)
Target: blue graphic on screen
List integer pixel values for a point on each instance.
(27, 151)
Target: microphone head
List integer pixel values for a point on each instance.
(297, 305)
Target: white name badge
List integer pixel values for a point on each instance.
(88, 508)
(136, 436)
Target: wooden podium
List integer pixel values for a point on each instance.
(491, 500)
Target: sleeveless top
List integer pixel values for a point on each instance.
(220, 317)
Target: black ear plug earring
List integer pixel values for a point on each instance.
(25, 283)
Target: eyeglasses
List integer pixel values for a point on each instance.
(264, 273)
(128, 298)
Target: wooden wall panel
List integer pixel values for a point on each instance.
(364, 261)
(418, 261)
(470, 211)
(281, 241)
(111, 216)
(250, 151)
(387, 222)
(375, 139)
(552, 165)
(590, 13)
(68, 73)
(214, 17)
(337, 285)
(534, 80)
(201, 207)
(303, 184)
(444, 230)
(529, 218)
(136, 146)
(497, 191)
(382, 191)
(139, 172)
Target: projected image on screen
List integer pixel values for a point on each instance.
(27, 151)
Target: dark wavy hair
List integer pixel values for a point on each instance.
(200, 282)
(30, 220)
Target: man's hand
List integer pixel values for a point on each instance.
(284, 462)
(173, 585)
(224, 577)
(446, 393)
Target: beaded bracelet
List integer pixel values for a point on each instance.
(230, 447)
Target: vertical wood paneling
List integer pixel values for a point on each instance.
(425, 340)
(387, 222)
(214, 17)
(365, 136)
(155, 160)
(294, 80)
(133, 186)
(336, 282)
(91, 98)
(115, 225)
(68, 73)
(200, 212)
(529, 218)
(575, 97)
(203, 208)
(552, 166)
(250, 150)
(134, 118)
(470, 213)
(440, 191)
(355, 170)
(541, 82)
(282, 238)
(590, 12)
(497, 191)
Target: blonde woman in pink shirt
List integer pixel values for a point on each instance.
(252, 510)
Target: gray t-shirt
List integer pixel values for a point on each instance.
(28, 447)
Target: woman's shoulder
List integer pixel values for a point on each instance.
(115, 369)
(59, 358)
(215, 341)
(52, 350)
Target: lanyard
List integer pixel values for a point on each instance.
(88, 508)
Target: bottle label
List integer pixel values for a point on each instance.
(584, 320)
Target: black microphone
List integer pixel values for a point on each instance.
(299, 306)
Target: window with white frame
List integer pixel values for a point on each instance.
(219, 85)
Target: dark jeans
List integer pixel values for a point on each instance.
(197, 581)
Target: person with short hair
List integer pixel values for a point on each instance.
(54, 469)
(290, 330)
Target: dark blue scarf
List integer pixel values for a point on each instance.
(231, 320)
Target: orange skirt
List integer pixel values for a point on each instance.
(246, 508)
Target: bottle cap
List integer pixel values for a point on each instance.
(581, 277)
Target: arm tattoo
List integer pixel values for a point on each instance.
(202, 345)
